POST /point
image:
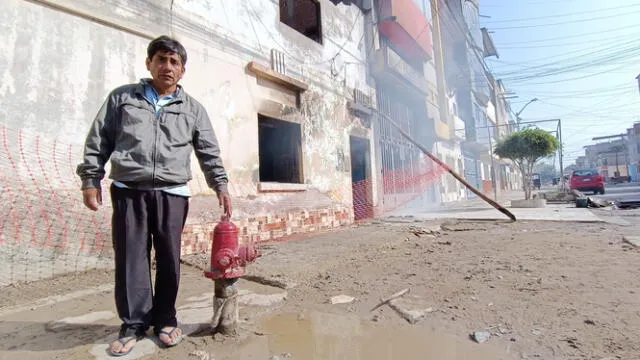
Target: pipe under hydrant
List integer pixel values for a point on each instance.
(225, 307)
(228, 264)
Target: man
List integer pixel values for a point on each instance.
(148, 131)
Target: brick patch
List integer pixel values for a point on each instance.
(196, 237)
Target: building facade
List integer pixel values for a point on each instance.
(464, 47)
(284, 83)
(301, 93)
(610, 158)
(633, 149)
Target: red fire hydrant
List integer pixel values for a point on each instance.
(228, 262)
(228, 259)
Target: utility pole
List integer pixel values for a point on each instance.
(493, 167)
(561, 154)
(494, 173)
(521, 110)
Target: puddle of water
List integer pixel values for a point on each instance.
(311, 336)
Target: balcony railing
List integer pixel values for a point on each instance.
(390, 62)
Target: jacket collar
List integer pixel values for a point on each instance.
(179, 94)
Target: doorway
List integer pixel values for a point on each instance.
(361, 178)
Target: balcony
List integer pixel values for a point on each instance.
(405, 25)
(389, 66)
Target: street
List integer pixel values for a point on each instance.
(488, 289)
(621, 192)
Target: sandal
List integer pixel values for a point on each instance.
(124, 341)
(175, 342)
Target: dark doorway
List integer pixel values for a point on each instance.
(280, 153)
(361, 178)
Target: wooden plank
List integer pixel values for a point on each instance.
(281, 79)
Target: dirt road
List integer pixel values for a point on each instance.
(539, 290)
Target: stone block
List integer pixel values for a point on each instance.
(632, 240)
(531, 203)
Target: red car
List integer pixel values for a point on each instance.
(587, 180)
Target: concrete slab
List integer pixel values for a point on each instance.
(550, 213)
(633, 240)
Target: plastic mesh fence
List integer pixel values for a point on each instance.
(45, 230)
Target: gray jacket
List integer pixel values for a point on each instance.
(150, 150)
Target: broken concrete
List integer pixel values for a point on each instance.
(411, 309)
(530, 203)
(481, 336)
(342, 299)
(555, 197)
(632, 240)
(282, 284)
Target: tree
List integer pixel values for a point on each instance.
(525, 148)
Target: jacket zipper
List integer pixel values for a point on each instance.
(157, 119)
(155, 143)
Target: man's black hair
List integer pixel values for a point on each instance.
(165, 43)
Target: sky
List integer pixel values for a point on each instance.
(580, 58)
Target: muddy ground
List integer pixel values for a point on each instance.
(541, 290)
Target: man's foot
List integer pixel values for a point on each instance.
(122, 346)
(170, 336)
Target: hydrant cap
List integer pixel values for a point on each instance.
(225, 226)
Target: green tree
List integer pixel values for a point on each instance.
(525, 148)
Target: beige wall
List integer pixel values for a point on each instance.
(60, 58)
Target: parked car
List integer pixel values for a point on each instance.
(587, 180)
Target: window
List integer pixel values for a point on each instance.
(585, 173)
(279, 146)
(303, 16)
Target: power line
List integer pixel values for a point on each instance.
(605, 57)
(604, 90)
(561, 15)
(564, 22)
(562, 58)
(567, 79)
(355, 20)
(589, 43)
(535, 3)
(571, 36)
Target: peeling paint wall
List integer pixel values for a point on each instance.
(56, 69)
(331, 70)
(60, 58)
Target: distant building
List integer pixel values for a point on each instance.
(633, 149)
(609, 158)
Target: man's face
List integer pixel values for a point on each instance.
(166, 68)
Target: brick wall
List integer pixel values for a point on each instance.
(279, 222)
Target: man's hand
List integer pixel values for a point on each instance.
(92, 198)
(224, 200)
